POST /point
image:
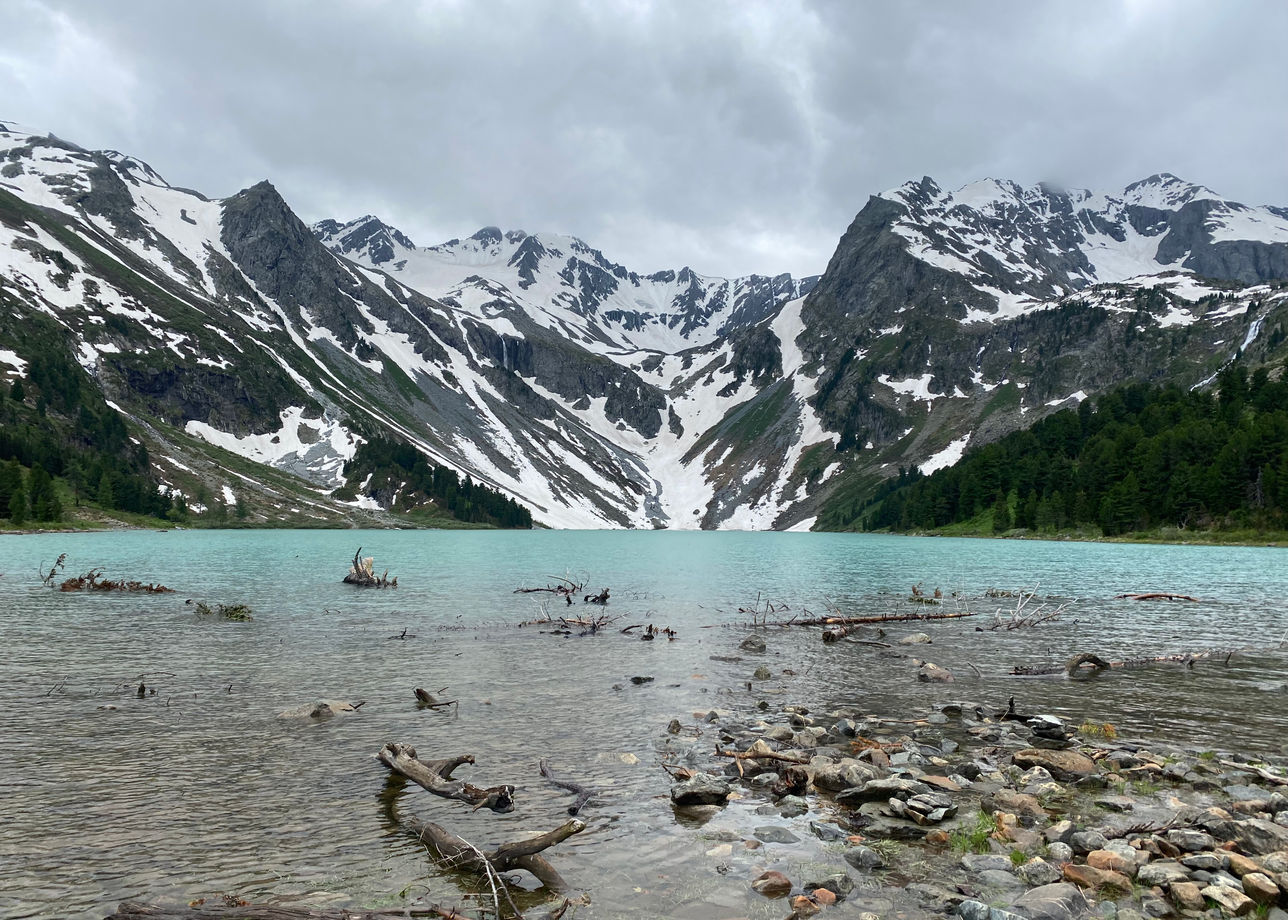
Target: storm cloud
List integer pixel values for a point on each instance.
(733, 137)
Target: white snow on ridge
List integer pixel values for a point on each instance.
(946, 457)
(299, 439)
(916, 387)
(11, 358)
(954, 229)
(1239, 222)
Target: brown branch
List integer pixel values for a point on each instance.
(858, 621)
(583, 793)
(1156, 596)
(1088, 662)
(435, 776)
(1264, 774)
(758, 752)
(521, 854)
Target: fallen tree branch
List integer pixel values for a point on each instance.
(230, 908)
(1088, 662)
(1156, 596)
(1264, 774)
(91, 581)
(761, 751)
(435, 776)
(584, 794)
(567, 589)
(520, 854)
(856, 621)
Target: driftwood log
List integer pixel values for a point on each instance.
(436, 777)
(234, 910)
(584, 794)
(567, 588)
(520, 854)
(454, 851)
(1089, 663)
(1155, 596)
(761, 751)
(840, 627)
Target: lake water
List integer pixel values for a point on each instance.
(202, 790)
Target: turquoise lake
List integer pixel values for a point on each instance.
(202, 790)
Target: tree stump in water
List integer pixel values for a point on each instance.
(362, 573)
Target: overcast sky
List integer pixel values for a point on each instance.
(733, 137)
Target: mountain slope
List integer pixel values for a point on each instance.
(598, 396)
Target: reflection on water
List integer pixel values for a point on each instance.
(201, 789)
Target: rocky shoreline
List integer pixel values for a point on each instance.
(987, 816)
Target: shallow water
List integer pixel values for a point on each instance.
(202, 790)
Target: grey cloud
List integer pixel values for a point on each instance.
(734, 137)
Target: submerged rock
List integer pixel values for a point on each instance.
(772, 884)
(931, 673)
(319, 709)
(1060, 901)
(701, 789)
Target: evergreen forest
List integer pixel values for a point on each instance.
(1139, 459)
(399, 474)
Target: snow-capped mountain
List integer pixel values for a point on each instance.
(565, 286)
(1024, 246)
(595, 395)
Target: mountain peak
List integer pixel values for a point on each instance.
(367, 234)
(1165, 192)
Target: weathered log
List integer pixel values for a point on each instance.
(1156, 596)
(837, 633)
(856, 621)
(91, 581)
(567, 589)
(755, 753)
(427, 700)
(520, 854)
(435, 776)
(1269, 777)
(234, 910)
(1088, 662)
(583, 793)
(760, 750)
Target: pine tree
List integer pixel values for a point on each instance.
(104, 495)
(18, 507)
(1001, 514)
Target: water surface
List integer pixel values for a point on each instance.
(202, 790)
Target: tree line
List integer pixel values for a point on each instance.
(53, 423)
(1139, 458)
(400, 474)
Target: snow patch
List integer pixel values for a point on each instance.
(11, 358)
(946, 457)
